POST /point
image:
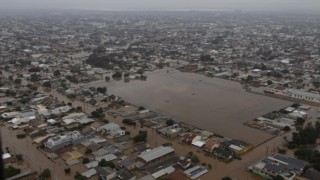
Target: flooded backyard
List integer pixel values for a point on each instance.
(217, 105)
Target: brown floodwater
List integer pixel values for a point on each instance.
(213, 104)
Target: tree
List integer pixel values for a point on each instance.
(102, 90)
(169, 122)
(46, 173)
(117, 74)
(278, 177)
(142, 136)
(88, 151)
(226, 178)
(299, 121)
(11, 171)
(56, 73)
(47, 84)
(67, 170)
(79, 176)
(104, 163)
(17, 81)
(85, 160)
(34, 77)
(19, 157)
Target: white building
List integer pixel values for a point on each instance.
(62, 140)
(299, 94)
(112, 129)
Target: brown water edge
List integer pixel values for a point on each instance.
(213, 104)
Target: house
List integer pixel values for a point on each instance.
(212, 143)
(279, 164)
(170, 131)
(111, 129)
(6, 158)
(106, 173)
(195, 172)
(223, 153)
(125, 175)
(303, 95)
(156, 155)
(107, 157)
(237, 146)
(89, 173)
(61, 141)
(128, 163)
(184, 162)
(188, 138)
(298, 114)
(9, 115)
(275, 89)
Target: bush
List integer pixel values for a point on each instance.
(67, 170)
(169, 122)
(142, 136)
(226, 178)
(282, 151)
(167, 144)
(11, 171)
(85, 160)
(104, 163)
(300, 121)
(88, 151)
(46, 173)
(19, 157)
(79, 176)
(129, 122)
(21, 135)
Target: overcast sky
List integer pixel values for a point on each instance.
(278, 5)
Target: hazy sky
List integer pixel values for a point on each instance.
(290, 5)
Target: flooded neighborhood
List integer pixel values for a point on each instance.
(180, 95)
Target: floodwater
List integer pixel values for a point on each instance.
(213, 104)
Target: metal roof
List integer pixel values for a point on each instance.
(156, 153)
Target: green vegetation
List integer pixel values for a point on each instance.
(307, 135)
(169, 122)
(104, 163)
(226, 178)
(98, 113)
(88, 151)
(300, 121)
(21, 135)
(85, 160)
(19, 157)
(79, 176)
(34, 77)
(167, 144)
(194, 158)
(102, 90)
(46, 173)
(11, 171)
(129, 122)
(278, 177)
(117, 74)
(67, 170)
(17, 81)
(56, 73)
(47, 84)
(282, 151)
(304, 140)
(142, 136)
